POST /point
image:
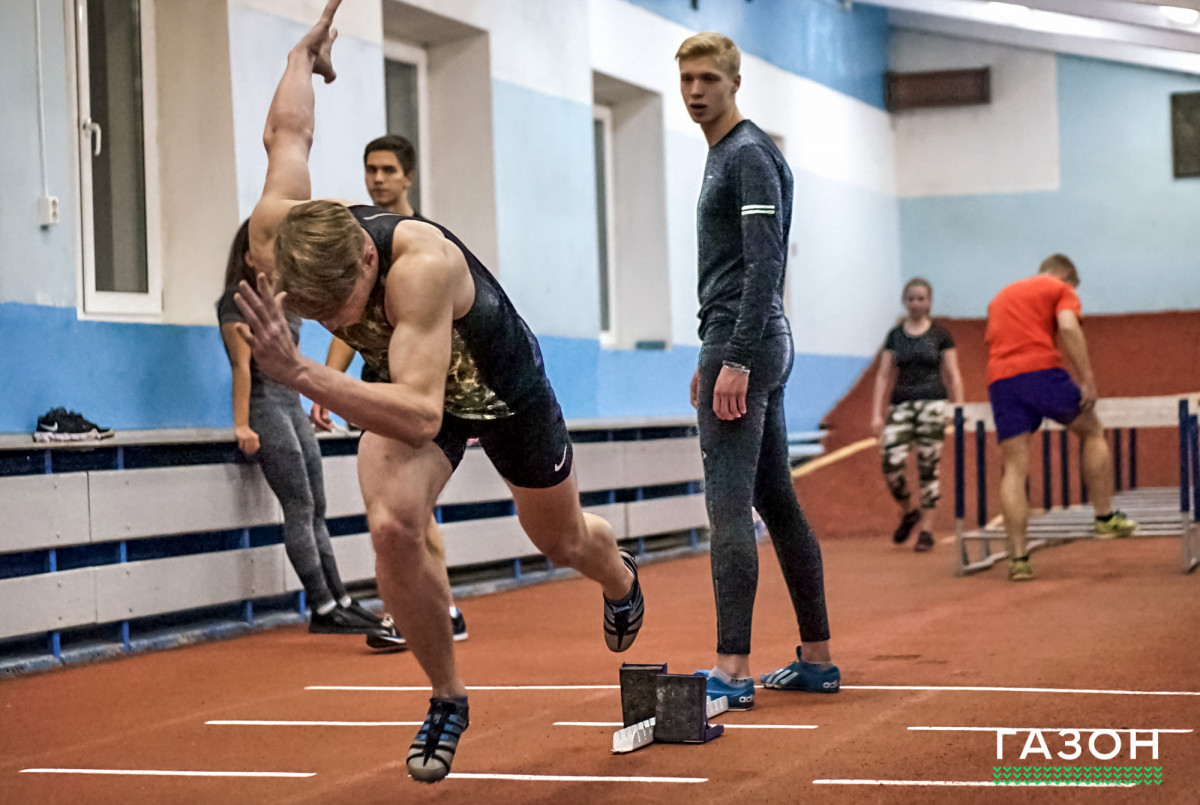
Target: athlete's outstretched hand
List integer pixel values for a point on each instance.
(266, 330)
(318, 42)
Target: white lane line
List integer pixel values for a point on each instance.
(951, 688)
(569, 778)
(425, 688)
(726, 723)
(972, 783)
(164, 773)
(1046, 729)
(233, 723)
(982, 689)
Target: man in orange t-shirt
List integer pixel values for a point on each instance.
(1028, 382)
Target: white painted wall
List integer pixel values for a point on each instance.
(842, 148)
(349, 113)
(1008, 146)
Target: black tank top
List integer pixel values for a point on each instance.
(495, 363)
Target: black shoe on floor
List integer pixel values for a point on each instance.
(61, 425)
(340, 620)
(924, 542)
(907, 523)
(364, 613)
(387, 637)
(460, 626)
(432, 751)
(623, 619)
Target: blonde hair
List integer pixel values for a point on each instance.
(917, 282)
(718, 46)
(318, 256)
(1060, 263)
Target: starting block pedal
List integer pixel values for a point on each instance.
(680, 708)
(641, 734)
(634, 737)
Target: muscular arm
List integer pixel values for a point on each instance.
(1070, 333)
(420, 304)
(288, 137)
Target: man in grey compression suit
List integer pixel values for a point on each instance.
(743, 219)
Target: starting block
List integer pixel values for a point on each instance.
(663, 707)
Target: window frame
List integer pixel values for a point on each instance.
(604, 115)
(92, 303)
(410, 53)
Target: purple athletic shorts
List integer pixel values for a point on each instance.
(1020, 402)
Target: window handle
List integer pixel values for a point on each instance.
(92, 130)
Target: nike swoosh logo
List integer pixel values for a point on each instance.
(380, 215)
(559, 465)
(52, 428)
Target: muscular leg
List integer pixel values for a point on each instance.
(1097, 467)
(569, 537)
(400, 485)
(1013, 499)
(436, 548)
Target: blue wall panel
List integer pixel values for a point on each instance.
(120, 375)
(844, 50)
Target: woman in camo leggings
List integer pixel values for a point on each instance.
(918, 363)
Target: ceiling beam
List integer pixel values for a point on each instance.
(1113, 50)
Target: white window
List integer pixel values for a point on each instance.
(405, 78)
(605, 222)
(631, 215)
(118, 165)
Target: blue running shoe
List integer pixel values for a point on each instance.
(801, 675)
(741, 697)
(432, 751)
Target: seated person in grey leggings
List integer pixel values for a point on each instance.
(272, 426)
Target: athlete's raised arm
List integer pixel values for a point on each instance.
(288, 136)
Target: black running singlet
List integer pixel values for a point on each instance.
(495, 362)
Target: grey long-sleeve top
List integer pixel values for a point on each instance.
(743, 218)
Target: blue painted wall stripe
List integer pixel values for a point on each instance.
(844, 50)
(138, 376)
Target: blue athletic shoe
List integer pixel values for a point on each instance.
(801, 675)
(432, 751)
(741, 697)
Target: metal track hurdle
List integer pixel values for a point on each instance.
(1160, 511)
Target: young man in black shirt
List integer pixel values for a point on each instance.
(746, 355)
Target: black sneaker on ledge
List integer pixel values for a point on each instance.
(61, 425)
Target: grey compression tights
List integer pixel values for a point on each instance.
(746, 462)
(291, 461)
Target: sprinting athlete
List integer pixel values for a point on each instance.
(456, 360)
